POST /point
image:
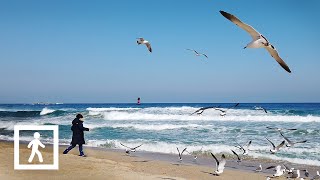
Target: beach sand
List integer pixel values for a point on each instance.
(105, 164)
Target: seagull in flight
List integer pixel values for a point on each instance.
(180, 154)
(290, 143)
(259, 41)
(224, 112)
(130, 149)
(245, 151)
(275, 149)
(260, 108)
(143, 41)
(198, 54)
(219, 164)
(200, 111)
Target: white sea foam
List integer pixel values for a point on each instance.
(46, 111)
(158, 127)
(163, 147)
(183, 114)
(123, 115)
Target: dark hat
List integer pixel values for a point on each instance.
(79, 116)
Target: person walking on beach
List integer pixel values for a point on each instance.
(35, 145)
(77, 135)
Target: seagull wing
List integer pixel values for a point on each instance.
(236, 155)
(149, 47)
(217, 162)
(236, 105)
(249, 144)
(183, 151)
(280, 145)
(265, 110)
(136, 147)
(192, 50)
(140, 39)
(285, 167)
(273, 52)
(270, 127)
(205, 55)
(179, 153)
(253, 33)
(301, 141)
(196, 111)
(125, 146)
(290, 142)
(220, 110)
(291, 129)
(271, 143)
(271, 167)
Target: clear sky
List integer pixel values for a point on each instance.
(85, 51)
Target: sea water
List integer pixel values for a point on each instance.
(161, 127)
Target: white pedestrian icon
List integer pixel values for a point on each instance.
(35, 144)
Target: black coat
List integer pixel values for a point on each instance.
(77, 129)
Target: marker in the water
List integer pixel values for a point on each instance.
(138, 103)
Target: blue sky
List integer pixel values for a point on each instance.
(86, 51)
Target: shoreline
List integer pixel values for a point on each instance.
(139, 165)
(111, 164)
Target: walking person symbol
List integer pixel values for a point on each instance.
(35, 144)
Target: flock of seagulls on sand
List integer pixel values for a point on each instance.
(258, 41)
(280, 170)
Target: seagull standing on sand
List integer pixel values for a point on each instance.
(130, 149)
(219, 164)
(279, 171)
(306, 172)
(143, 41)
(290, 143)
(259, 169)
(259, 41)
(275, 149)
(180, 154)
(317, 176)
(198, 54)
(295, 174)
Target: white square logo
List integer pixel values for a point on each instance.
(35, 145)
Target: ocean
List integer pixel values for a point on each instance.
(161, 127)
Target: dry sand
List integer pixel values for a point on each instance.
(103, 164)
